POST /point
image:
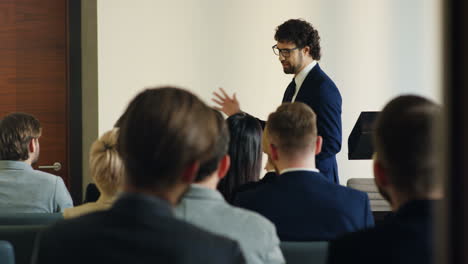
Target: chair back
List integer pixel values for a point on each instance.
(377, 202)
(305, 252)
(7, 254)
(29, 218)
(23, 238)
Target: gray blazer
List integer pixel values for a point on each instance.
(25, 190)
(206, 208)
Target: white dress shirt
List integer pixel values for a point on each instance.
(299, 169)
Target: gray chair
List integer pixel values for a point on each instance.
(23, 238)
(305, 252)
(30, 218)
(7, 254)
(377, 202)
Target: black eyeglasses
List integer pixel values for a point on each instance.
(284, 52)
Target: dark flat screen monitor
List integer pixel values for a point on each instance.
(360, 140)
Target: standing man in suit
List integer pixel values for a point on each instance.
(298, 49)
(405, 167)
(204, 206)
(165, 135)
(302, 204)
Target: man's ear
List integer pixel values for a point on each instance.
(190, 172)
(223, 166)
(273, 152)
(380, 176)
(32, 145)
(318, 145)
(306, 50)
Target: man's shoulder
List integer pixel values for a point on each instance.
(107, 226)
(251, 219)
(261, 190)
(42, 176)
(350, 192)
(230, 215)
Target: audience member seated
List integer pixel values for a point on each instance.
(165, 135)
(405, 165)
(205, 207)
(245, 152)
(302, 203)
(107, 172)
(22, 188)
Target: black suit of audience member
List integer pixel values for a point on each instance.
(161, 147)
(269, 177)
(405, 237)
(137, 229)
(305, 206)
(301, 202)
(405, 166)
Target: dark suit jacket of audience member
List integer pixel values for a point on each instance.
(137, 229)
(404, 238)
(305, 206)
(320, 93)
(269, 177)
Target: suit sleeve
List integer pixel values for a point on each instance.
(368, 214)
(273, 253)
(328, 110)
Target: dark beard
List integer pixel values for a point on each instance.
(289, 70)
(294, 69)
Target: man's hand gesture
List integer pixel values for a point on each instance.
(226, 104)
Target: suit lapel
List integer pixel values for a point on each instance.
(308, 84)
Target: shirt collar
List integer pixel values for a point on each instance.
(197, 191)
(14, 165)
(300, 77)
(298, 169)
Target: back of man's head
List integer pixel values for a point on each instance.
(292, 129)
(164, 130)
(16, 132)
(220, 149)
(405, 141)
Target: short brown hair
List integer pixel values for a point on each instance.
(405, 139)
(220, 150)
(292, 128)
(105, 163)
(164, 130)
(16, 131)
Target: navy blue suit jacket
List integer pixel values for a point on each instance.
(403, 238)
(320, 93)
(305, 206)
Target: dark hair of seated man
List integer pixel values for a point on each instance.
(405, 170)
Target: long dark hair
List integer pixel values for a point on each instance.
(245, 150)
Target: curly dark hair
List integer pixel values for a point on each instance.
(301, 33)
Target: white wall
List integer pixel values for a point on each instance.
(372, 49)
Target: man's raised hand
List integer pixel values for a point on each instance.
(226, 104)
